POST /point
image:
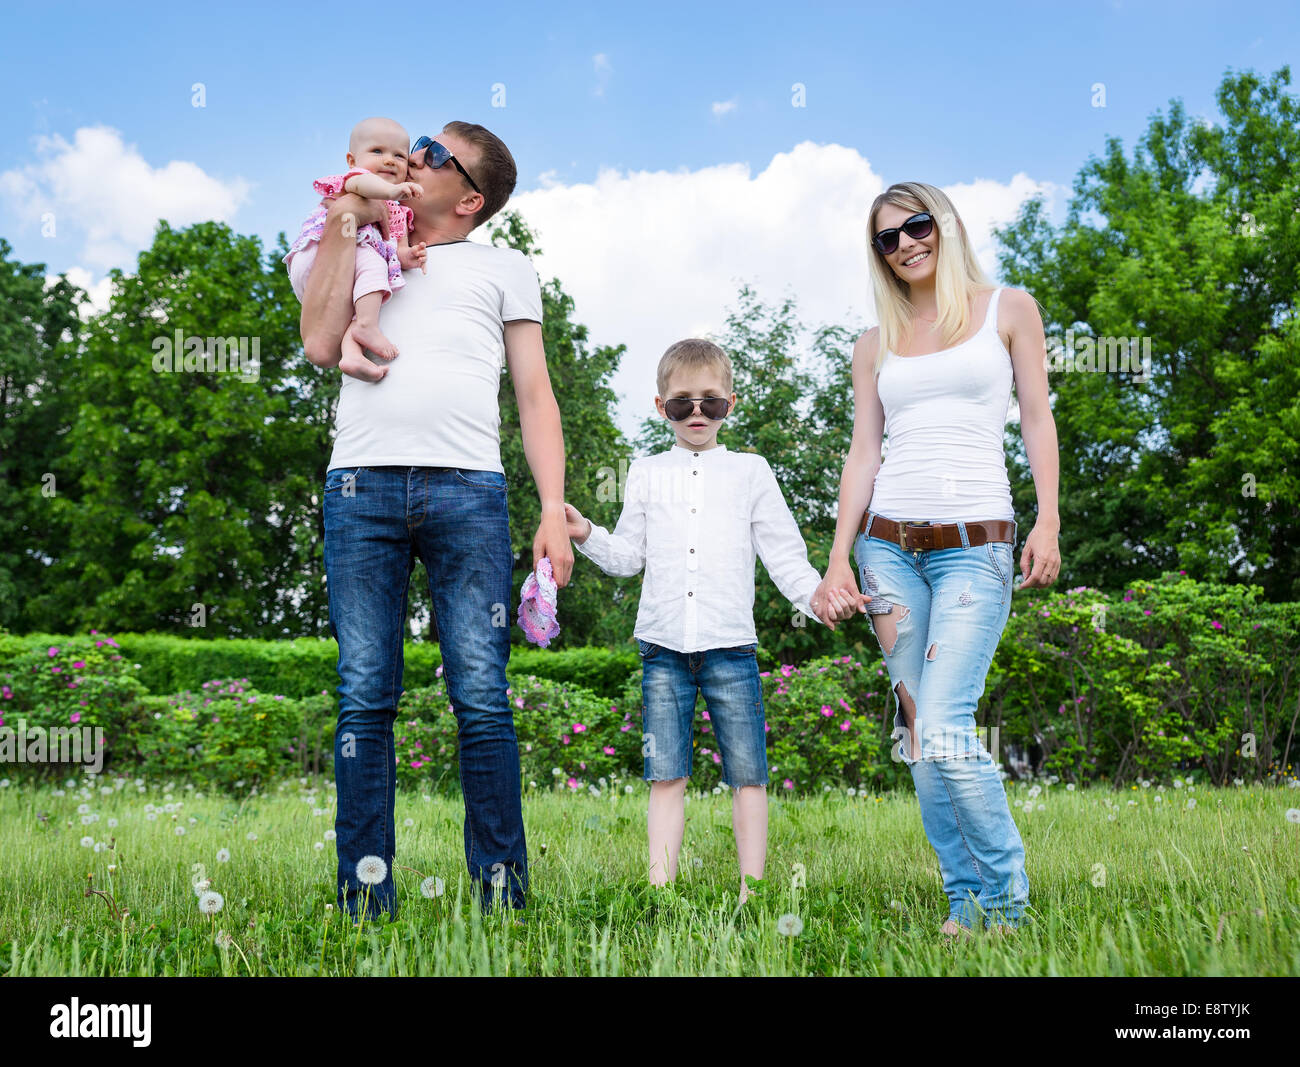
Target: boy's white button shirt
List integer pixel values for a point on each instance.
(694, 520)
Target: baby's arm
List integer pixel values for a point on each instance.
(373, 187)
(409, 257)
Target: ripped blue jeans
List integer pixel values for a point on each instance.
(938, 615)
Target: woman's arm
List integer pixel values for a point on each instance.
(327, 301)
(856, 481)
(1038, 430)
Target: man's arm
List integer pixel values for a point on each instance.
(327, 301)
(539, 423)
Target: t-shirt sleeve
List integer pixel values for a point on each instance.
(332, 185)
(521, 292)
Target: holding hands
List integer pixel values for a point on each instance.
(838, 598)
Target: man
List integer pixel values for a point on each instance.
(416, 470)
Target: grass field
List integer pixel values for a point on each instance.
(1154, 881)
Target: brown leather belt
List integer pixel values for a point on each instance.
(923, 536)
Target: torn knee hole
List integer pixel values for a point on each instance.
(932, 651)
(887, 626)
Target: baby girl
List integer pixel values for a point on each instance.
(377, 162)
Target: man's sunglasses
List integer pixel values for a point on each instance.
(917, 227)
(711, 407)
(436, 155)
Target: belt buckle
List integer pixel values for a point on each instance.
(902, 531)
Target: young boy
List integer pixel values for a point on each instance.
(693, 517)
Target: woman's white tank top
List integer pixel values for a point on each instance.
(945, 414)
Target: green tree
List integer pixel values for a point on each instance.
(37, 363)
(1193, 244)
(184, 487)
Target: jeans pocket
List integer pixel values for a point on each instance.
(341, 477)
(646, 649)
(1000, 556)
(481, 479)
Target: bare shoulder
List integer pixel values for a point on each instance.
(1016, 306)
(866, 346)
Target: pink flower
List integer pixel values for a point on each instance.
(438, 671)
(53, 651)
(786, 668)
(519, 702)
(706, 715)
(75, 716)
(1215, 624)
(582, 766)
(578, 728)
(564, 739)
(572, 783)
(625, 728)
(717, 758)
(608, 750)
(826, 710)
(79, 663)
(845, 724)
(788, 784)
(57, 670)
(415, 763)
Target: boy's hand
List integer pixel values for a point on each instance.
(414, 256)
(577, 527)
(407, 191)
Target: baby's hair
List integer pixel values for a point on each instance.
(366, 126)
(691, 354)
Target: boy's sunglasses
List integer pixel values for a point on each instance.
(711, 407)
(436, 155)
(917, 227)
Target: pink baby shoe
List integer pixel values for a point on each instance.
(537, 605)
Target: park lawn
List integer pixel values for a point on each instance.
(1121, 883)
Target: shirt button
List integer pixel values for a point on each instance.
(695, 472)
(692, 550)
(692, 511)
(690, 594)
(697, 453)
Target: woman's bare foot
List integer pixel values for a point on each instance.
(372, 337)
(952, 928)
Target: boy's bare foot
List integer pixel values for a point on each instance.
(372, 337)
(952, 928)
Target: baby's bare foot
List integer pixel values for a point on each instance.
(372, 337)
(357, 366)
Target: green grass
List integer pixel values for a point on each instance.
(1208, 890)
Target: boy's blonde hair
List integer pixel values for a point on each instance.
(691, 354)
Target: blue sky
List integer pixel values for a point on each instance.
(956, 95)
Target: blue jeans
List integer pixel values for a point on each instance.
(946, 609)
(733, 693)
(377, 521)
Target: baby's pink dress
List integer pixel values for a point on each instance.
(378, 269)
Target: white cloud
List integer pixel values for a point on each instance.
(99, 291)
(109, 196)
(604, 70)
(654, 256)
(723, 107)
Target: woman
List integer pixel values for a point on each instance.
(932, 525)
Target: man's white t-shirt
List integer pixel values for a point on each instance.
(437, 406)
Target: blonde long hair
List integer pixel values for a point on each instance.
(958, 275)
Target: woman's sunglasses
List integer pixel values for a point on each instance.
(711, 407)
(436, 155)
(917, 227)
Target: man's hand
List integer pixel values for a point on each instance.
(552, 540)
(351, 212)
(577, 527)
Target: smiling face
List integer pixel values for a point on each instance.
(379, 146)
(914, 260)
(695, 431)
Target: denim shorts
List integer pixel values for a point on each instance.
(733, 695)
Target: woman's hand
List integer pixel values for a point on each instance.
(1040, 562)
(837, 598)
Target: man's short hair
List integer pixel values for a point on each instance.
(691, 354)
(494, 168)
